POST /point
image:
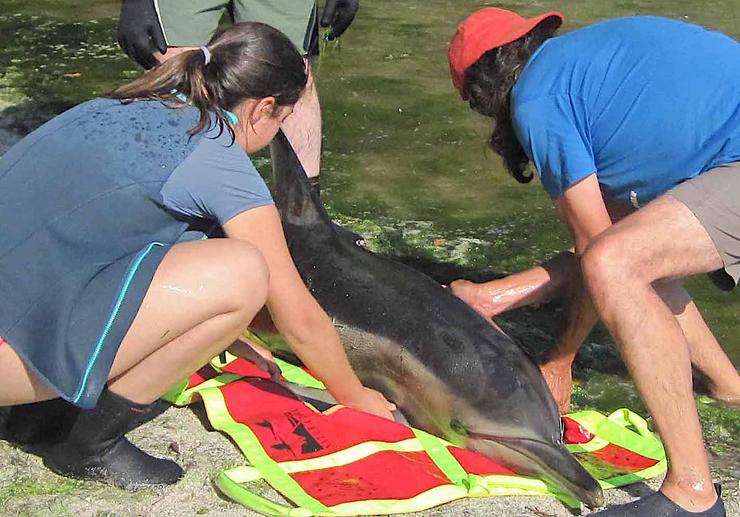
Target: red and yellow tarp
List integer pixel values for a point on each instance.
(346, 462)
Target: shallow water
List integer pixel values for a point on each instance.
(405, 160)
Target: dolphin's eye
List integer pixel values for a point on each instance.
(458, 427)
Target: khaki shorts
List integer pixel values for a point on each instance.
(714, 198)
(192, 23)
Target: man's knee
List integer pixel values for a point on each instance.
(606, 263)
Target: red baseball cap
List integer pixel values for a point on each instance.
(484, 30)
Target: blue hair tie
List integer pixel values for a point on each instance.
(233, 119)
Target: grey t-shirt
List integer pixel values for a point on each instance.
(216, 181)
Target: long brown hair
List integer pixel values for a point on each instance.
(247, 61)
(487, 85)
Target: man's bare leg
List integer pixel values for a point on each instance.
(706, 353)
(302, 127)
(620, 268)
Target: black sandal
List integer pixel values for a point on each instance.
(658, 505)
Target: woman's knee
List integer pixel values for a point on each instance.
(241, 275)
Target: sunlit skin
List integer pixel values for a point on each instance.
(625, 274)
(205, 293)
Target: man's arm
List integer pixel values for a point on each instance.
(581, 207)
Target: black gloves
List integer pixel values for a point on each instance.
(139, 32)
(338, 14)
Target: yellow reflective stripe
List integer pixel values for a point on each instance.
(423, 501)
(250, 446)
(350, 455)
(613, 429)
(298, 375)
(634, 477)
(443, 458)
(180, 395)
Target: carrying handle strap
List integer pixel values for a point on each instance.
(229, 481)
(626, 418)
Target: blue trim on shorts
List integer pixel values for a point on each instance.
(116, 307)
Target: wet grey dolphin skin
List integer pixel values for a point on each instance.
(449, 371)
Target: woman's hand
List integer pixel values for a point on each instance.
(370, 401)
(261, 357)
(304, 325)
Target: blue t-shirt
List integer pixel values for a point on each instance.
(644, 102)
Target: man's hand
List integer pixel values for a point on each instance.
(338, 14)
(559, 377)
(139, 32)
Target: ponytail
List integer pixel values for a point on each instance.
(247, 60)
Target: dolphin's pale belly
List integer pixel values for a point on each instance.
(382, 364)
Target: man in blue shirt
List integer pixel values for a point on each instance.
(627, 114)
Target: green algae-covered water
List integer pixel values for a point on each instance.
(405, 161)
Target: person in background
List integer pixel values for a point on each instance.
(633, 125)
(151, 32)
(111, 293)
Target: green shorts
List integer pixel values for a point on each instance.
(713, 198)
(192, 23)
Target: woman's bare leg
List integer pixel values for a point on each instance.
(202, 296)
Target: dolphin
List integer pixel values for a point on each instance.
(449, 371)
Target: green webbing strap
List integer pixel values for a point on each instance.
(615, 429)
(437, 449)
(250, 446)
(298, 375)
(229, 482)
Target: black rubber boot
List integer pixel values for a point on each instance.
(658, 505)
(50, 421)
(96, 449)
(41, 422)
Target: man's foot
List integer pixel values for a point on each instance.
(315, 185)
(120, 463)
(658, 505)
(727, 399)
